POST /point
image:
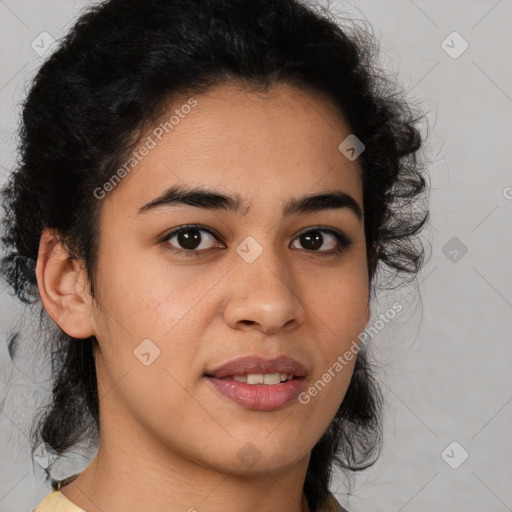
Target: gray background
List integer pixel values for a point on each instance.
(444, 361)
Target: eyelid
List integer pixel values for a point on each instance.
(183, 227)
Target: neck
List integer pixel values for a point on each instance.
(126, 475)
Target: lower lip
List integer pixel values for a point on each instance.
(259, 397)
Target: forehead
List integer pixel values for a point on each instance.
(265, 146)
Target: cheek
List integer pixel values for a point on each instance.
(145, 309)
(339, 314)
(141, 297)
(341, 305)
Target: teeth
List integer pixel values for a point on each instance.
(259, 378)
(255, 378)
(272, 378)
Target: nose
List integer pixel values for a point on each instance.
(263, 295)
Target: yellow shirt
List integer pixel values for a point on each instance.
(57, 502)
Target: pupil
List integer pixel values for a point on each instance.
(188, 241)
(314, 238)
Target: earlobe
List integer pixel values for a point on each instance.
(63, 287)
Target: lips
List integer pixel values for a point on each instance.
(240, 381)
(246, 365)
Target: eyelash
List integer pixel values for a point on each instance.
(343, 240)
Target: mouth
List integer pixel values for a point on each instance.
(258, 383)
(268, 379)
(253, 368)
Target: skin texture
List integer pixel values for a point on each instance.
(169, 441)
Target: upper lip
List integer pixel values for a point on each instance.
(245, 365)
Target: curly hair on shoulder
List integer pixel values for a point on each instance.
(116, 71)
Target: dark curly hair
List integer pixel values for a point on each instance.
(113, 74)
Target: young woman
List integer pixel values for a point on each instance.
(205, 195)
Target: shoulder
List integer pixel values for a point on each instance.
(57, 502)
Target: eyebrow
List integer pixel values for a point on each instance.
(213, 200)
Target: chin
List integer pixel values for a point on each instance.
(262, 455)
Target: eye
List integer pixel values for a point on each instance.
(190, 239)
(313, 239)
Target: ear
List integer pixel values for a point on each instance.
(64, 287)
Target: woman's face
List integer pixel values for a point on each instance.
(254, 281)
